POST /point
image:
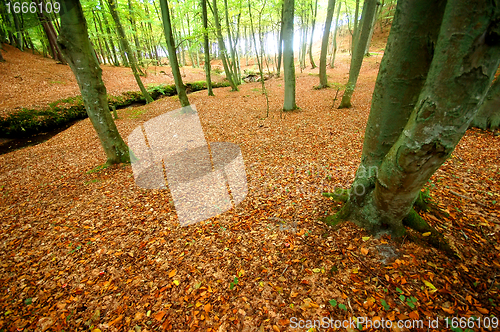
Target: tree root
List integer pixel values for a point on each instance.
(429, 234)
(413, 220)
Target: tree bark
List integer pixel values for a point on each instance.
(323, 80)
(138, 51)
(355, 31)
(334, 41)
(461, 70)
(488, 116)
(359, 52)
(128, 51)
(206, 48)
(19, 29)
(75, 44)
(314, 14)
(223, 51)
(172, 56)
(51, 35)
(280, 43)
(288, 61)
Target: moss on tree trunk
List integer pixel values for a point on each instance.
(75, 45)
(413, 130)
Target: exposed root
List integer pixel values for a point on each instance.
(429, 233)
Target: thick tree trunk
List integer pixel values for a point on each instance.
(288, 63)
(127, 49)
(323, 80)
(359, 52)
(488, 116)
(75, 44)
(172, 56)
(206, 48)
(462, 68)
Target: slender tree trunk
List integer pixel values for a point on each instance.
(172, 56)
(359, 52)
(288, 61)
(19, 30)
(355, 32)
(488, 116)
(334, 42)
(206, 48)
(280, 42)
(323, 79)
(314, 13)
(134, 32)
(232, 48)
(129, 54)
(110, 48)
(372, 27)
(222, 47)
(75, 44)
(431, 120)
(259, 60)
(51, 34)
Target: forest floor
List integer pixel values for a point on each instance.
(89, 250)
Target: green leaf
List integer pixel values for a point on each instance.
(333, 303)
(385, 305)
(399, 290)
(342, 306)
(28, 301)
(402, 297)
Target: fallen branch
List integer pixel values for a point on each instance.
(470, 199)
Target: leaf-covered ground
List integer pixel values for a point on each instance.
(90, 251)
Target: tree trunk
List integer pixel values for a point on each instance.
(434, 117)
(19, 30)
(75, 44)
(1, 57)
(206, 48)
(259, 58)
(355, 33)
(127, 49)
(51, 34)
(372, 28)
(134, 32)
(288, 63)
(359, 52)
(222, 47)
(323, 80)
(232, 47)
(280, 42)
(314, 14)
(172, 56)
(488, 116)
(334, 42)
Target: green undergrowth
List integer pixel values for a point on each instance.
(27, 122)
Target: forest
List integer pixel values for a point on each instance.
(249, 165)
